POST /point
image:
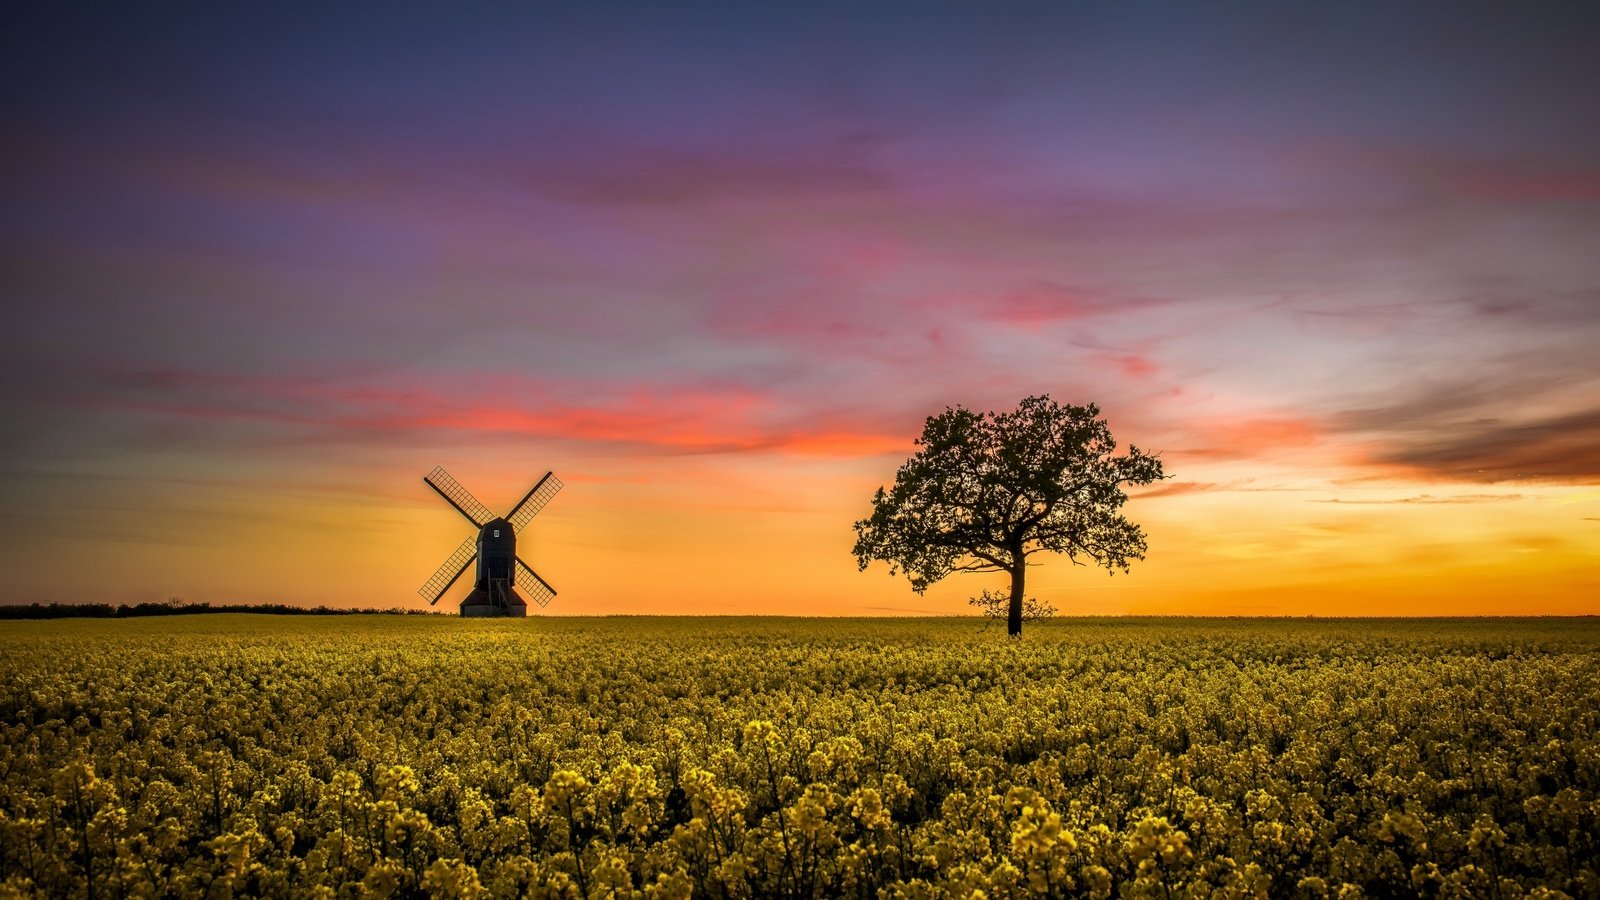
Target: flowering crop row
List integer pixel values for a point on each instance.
(221, 755)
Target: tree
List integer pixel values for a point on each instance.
(987, 491)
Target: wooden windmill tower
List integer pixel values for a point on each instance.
(500, 570)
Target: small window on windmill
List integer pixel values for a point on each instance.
(497, 532)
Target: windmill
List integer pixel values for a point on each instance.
(500, 570)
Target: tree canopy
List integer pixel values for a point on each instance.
(985, 491)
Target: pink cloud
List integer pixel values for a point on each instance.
(682, 418)
(1134, 365)
(845, 311)
(1524, 184)
(1041, 302)
(1441, 171)
(1246, 437)
(656, 176)
(1175, 489)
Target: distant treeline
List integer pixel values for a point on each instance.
(169, 608)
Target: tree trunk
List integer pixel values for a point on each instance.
(1014, 612)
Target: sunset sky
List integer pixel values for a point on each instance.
(714, 264)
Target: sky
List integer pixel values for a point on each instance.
(266, 265)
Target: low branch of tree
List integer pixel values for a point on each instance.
(993, 605)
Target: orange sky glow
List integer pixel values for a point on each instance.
(648, 530)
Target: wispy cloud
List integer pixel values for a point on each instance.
(1177, 488)
(1441, 172)
(1247, 437)
(601, 172)
(1564, 447)
(1426, 499)
(1042, 301)
(677, 418)
(1517, 183)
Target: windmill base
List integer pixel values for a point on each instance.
(482, 604)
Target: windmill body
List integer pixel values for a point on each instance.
(500, 570)
(494, 591)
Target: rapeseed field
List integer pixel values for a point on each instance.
(226, 755)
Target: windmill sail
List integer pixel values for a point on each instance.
(458, 496)
(529, 582)
(534, 501)
(450, 571)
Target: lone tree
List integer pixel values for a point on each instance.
(987, 491)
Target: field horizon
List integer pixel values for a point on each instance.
(1054, 621)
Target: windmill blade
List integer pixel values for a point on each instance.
(534, 500)
(458, 496)
(529, 582)
(450, 571)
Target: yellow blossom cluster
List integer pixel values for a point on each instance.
(214, 756)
